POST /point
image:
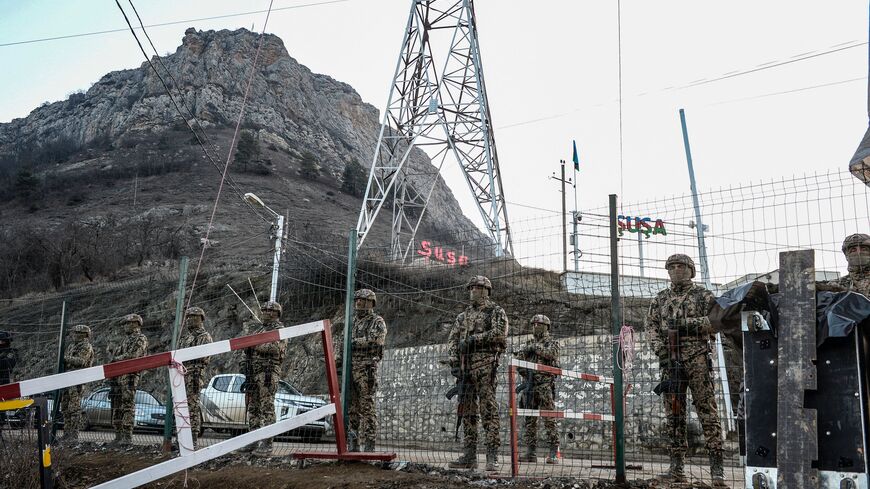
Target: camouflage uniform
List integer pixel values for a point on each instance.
(122, 393)
(477, 339)
(79, 354)
(194, 377)
(685, 306)
(858, 279)
(544, 350)
(367, 340)
(262, 367)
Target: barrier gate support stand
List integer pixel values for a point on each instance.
(544, 413)
(338, 418)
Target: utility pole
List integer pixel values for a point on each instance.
(705, 272)
(564, 216)
(279, 233)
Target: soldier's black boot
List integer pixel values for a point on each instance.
(468, 459)
(126, 440)
(675, 472)
(530, 456)
(553, 456)
(264, 448)
(492, 459)
(717, 471)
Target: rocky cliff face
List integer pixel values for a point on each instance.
(120, 158)
(291, 109)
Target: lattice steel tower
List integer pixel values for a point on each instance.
(444, 111)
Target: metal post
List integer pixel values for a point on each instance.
(61, 347)
(576, 240)
(348, 323)
(564, 225)
(46, 478)
(616, 326)
(705, 276)
(169, 418)
(279, 234)
(640, 250)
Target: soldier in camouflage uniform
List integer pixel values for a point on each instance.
(856, 247)
(195, 335)
(79, 354)
(367, 347)
(683, 308)
(262, 367)
(122, 389)
(477, 339)
(542, 349)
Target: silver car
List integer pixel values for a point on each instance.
(149, 413)
(222, 404)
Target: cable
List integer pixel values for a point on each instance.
(226, 16)
(175, 102)
(230, 152)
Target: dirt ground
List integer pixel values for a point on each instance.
(89, 468)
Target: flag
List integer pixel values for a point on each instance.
(576, 158)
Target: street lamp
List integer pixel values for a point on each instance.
(278, 227)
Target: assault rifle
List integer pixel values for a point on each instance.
(526, 389)
(676, 375)
(457, 390)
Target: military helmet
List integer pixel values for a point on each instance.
(366, 294)
(855, 239)
(681, 258)
(5, 336)
(479, 280)
(195, 311)
(132, 318)
(82, 328)
(272, 306)
(540, 318)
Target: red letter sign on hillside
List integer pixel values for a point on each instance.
(441, 254)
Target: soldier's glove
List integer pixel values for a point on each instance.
(677, 323)
(456, 372)
(829, 287)
(467, 344)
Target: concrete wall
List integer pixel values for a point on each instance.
(413, 410)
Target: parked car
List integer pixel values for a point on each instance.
(222, 404)
(98, 410)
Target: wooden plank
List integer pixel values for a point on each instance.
(797, 436)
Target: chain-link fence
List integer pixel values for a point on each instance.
(420, 298)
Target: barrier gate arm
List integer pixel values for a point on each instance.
(175, 361)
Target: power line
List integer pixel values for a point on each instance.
(176, 22)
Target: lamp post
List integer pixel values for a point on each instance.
(278, 233)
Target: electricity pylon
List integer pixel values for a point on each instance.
(446, 112)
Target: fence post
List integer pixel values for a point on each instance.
(61, 346)
(46, 478)
(348, 323)
(616, 325)
(169, 418)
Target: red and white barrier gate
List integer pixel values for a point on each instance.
(174, 359)
(514, 411)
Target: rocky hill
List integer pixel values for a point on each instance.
(113, 177)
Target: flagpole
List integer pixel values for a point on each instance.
(576, 217)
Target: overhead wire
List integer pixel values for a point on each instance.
(175, 22)
(232, 146)
(175, 102)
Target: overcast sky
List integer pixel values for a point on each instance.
(552, 74)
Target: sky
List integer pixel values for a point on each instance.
(552, 73)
